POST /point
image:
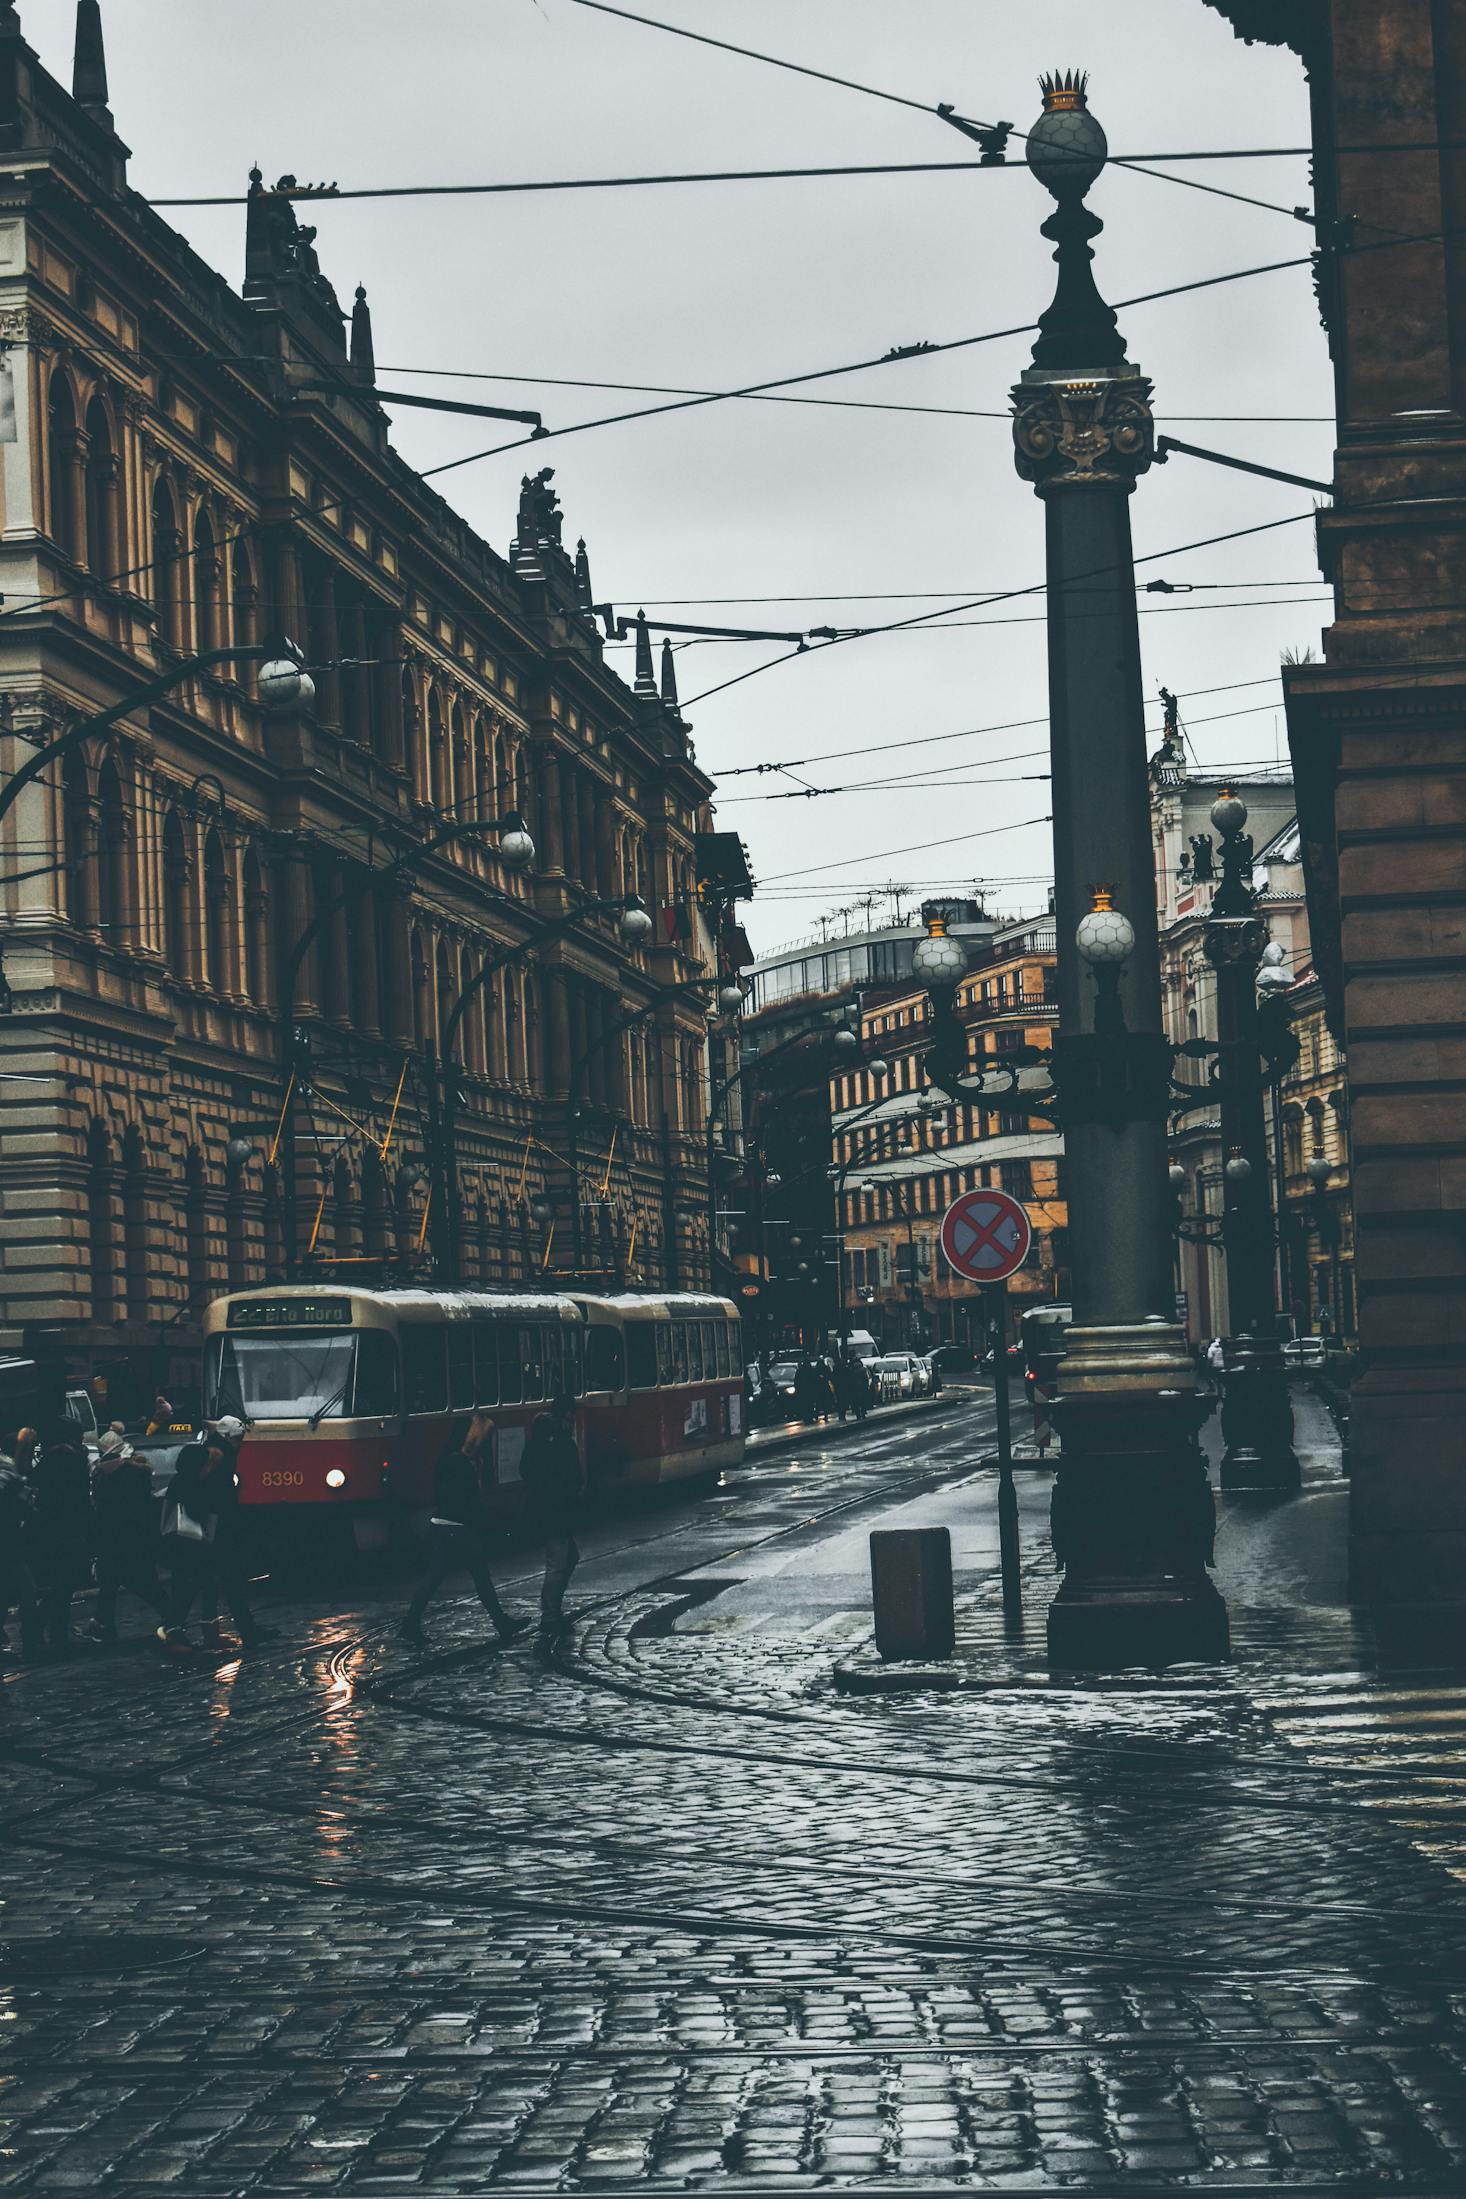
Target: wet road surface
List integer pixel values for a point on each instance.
(667, 1911)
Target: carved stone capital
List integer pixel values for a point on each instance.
(1069, 432)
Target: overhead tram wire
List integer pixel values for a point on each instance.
(917, 847)
(843, 404)
(924, 618)
(898, 99)
(898, 354)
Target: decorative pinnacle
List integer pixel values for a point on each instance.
(645, 682)
(1102, 897)
(1064, 93)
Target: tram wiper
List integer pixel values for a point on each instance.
(323, 1408)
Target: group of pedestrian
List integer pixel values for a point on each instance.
(825, 1387)
(459, 1528)
(69, 1519)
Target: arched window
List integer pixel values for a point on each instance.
(101, 1223)
(135, 1225)
(411, 733)
(256, 932)
(236, 1248)
(114, 912)
(462, 763)
(195, 1231)
(447, 990)
(217, 915)
(274, 1226)
(245, 596)
(343, 1211)
(167, 544)
(103, 551)
(374, 1209)
(61, 457)
(177, 910)
(422, 993)
(205, 584)
(440, 784)
(76, 810)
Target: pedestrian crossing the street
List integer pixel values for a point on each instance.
(1398, 1750)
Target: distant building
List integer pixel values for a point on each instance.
(1181, 803)
(902, 1154)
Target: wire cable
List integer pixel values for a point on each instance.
(897, 99)
(917, 847)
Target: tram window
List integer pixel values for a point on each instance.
(694, 1351)
(511, 1372)
(552, 1348)
(679, 1350)
(575, 1361)
(376, 1374)
(532, 1361)
(724, 1334)
(485, 1362)
(604, 1360)
(460, 1366)
(424, 1367)
(710, 1367)
(666, 1357)
(641, 1355)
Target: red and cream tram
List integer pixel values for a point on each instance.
(349, 1395)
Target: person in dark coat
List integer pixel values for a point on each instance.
(554, 1481)
(17, 1589)
(806, 1390)
(126, 1528)
(60, 1535)
(206, 1546)
(459, 1530)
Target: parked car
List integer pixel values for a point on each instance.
(781, 1380)
(896, 1371)
(1305, 1351)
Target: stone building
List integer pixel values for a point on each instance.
(903, 1152)
(1377, 730)
(190, 470)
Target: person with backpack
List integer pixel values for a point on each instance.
(554, 1481)
(126, 1533)
(459, 1531)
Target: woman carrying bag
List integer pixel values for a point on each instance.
(202, 1537)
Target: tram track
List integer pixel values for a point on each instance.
(162, 1781)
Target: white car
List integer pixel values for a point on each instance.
(898, 1374)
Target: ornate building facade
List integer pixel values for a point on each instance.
(190, 471)
(1379, 751)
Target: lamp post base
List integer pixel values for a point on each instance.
(1257, 1418)
(1133, 1519)
(1113, 1624)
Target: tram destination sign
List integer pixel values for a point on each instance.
(289, 1313)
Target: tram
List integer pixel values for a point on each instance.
(349, 1395)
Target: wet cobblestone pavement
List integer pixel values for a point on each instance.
(669, 1911)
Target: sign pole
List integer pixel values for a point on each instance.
(997, 1298)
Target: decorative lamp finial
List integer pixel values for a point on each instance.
(1062, 94)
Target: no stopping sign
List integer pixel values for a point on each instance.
(985, 1236)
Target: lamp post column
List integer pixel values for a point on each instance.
(1257, 1416)
(1132, 1510)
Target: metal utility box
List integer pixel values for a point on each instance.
(911, 1585)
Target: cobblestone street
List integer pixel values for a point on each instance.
(672, 1910)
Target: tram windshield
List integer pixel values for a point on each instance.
(308, 1377)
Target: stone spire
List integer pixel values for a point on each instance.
(89, 63)
(669, 676)
(582, 581)
(645, 680)
(363, 353)
(12, 46)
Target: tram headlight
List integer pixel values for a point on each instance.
(336, 1479)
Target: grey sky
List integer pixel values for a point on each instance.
(715, 285)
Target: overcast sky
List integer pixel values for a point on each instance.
(713, 285)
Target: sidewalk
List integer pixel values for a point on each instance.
(1281, 1565)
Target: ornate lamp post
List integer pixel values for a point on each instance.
(1257, 1418)
(1132, 1509)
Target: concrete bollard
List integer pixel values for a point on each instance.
(911, 1585)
